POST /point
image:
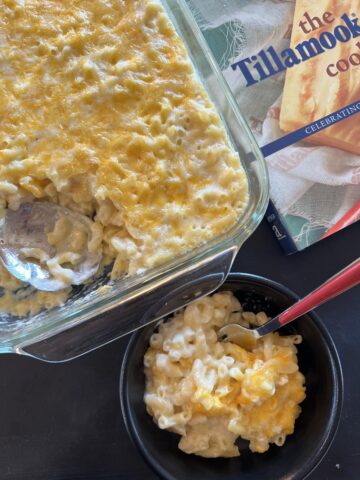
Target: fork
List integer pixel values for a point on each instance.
(347, 278)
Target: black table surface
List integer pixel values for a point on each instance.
(63, 421)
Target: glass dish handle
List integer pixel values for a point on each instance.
(160, 300)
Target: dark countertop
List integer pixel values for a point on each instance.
(64, 422)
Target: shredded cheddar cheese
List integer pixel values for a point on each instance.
(102, 112)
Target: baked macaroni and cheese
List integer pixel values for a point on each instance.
(212, 392)
(102, 112)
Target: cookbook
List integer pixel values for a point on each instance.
(294, 69)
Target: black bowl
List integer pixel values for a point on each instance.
(314, 429)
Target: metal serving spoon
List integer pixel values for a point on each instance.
(245, 337)
(28, 227)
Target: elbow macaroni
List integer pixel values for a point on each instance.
(103, 113)
(213, 392)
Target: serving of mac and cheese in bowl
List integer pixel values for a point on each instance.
(211, 392)
(109, 109)
(198, 407)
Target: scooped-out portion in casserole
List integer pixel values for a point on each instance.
(102, 112)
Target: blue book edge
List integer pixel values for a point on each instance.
(281, 232)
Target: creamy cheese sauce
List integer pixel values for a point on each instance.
(211, 392)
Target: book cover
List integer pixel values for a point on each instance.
(294, 68)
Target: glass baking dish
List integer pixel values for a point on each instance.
(94, 316)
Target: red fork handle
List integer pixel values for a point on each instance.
(348, 277)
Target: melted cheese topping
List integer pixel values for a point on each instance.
(211, 392)
(101, 111)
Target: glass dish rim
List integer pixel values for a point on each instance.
(58, 321)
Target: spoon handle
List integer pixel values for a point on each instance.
(344, 280)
